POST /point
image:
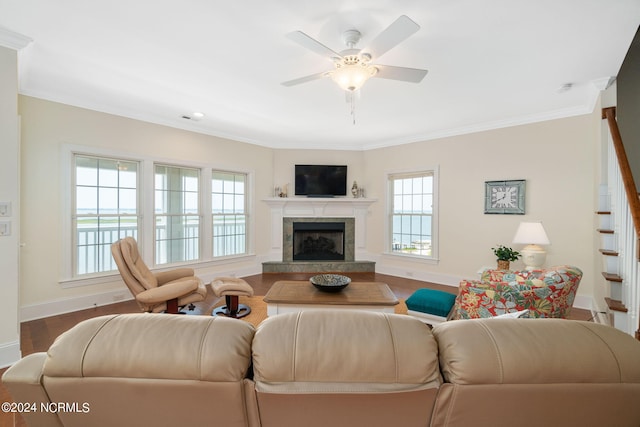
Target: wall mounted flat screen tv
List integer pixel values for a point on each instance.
(321, 180)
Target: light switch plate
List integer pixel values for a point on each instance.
(5, 228)
(5, 208)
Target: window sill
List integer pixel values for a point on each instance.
(409, 257)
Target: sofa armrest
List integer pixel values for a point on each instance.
(175, 289)
(24, 382)
(168, 276)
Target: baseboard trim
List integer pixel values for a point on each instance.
(67, 305)
(9, 353)
(583, 302)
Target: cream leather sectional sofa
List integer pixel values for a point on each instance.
(330, 368)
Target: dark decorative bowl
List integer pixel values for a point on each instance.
(330, 282)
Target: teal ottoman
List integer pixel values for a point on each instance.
(430, 305)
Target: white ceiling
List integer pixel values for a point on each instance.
(491, 63)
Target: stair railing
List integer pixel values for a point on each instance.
(624, 195)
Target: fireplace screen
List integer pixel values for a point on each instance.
(318, 241)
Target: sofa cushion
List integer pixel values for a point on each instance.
(431, 301)
(219, 349)
(346, 351)
(530, 351)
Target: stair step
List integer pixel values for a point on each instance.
(615, 305)
(605, 231)
(608, 252)
(612, 277)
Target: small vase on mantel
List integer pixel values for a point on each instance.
(354, 189)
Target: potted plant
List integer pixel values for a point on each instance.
(505, 255)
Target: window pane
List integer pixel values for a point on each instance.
(427, 204)
(411, 210)
(105, 211)
(87, 171)
(108, 173)
(86, 200)
(238, 203)
(397, 204)
(227, 203)
(177, 222)
(417, 185)
(228, 207)
(128, 174)
(416, 203)
(190, 181)
(128, 201)
(108, 200)
(191, 203)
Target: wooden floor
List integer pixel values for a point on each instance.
(38, 335)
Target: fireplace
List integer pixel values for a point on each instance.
(352, 212)
(318, 241)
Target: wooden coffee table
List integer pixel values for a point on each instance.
(286, 296)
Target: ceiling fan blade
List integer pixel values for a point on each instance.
(412, 75)
(313, 45)
(393, 35)
(304, 79)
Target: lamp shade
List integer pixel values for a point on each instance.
(531, 233)
(351, 77)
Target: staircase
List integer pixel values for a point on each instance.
(619, 226)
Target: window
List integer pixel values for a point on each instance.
(412, 214)
(229, 213)
(192, 213)
(106, 209)
(177, 220)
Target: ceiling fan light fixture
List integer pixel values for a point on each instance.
(351, 73)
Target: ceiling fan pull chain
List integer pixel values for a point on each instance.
(353, 108)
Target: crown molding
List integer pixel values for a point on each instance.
(13, 40)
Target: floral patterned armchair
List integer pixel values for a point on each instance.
(545, 293)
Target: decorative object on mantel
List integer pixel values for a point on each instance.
(330, 282)
(532, 234)
(281, 191)
(504, 197)
(505, 255)
(354, 189)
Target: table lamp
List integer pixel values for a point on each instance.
(532, 234)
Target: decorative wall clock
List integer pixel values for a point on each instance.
(504, 197)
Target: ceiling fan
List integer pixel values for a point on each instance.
(353, 67)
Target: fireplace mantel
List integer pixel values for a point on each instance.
(317, 207)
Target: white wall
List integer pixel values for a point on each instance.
(9, 192)
(556, 158)
(285, 160)
(46, 127)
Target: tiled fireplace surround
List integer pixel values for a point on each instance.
(286, 211)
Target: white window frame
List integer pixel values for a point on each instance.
(199, 214)
(75, 217)
(246, 214)
(146, 239)
(389, 176)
